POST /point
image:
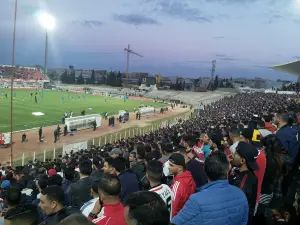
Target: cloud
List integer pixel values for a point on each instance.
(88, 23)
(135, 19)
(218, 37)
(224, 57)
(296, 57)
(179, 9)
(297, 21)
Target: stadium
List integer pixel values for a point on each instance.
(37, 104)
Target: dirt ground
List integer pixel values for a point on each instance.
(33, 143)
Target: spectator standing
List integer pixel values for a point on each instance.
(109, 190)
(128, 179)
(245, 160)
(80, 191)
(214, 201)
(25, 215)
(194, 166)
(287, 135)
(52, 204)
(89, 206)
(68, 178)
(132, 159)
(183, 184)
(146, 208)
(154, 176)
(139, 167)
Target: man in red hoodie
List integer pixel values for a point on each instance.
(183, 184)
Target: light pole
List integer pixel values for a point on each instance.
(12, 82)
(47, 21)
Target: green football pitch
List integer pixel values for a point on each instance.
(53, 107)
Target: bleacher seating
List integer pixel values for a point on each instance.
(24, 73)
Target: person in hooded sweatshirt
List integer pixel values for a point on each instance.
(183, 184)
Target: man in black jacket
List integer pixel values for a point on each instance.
(80, 191)
(52, 204)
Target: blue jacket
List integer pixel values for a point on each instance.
(289, 139)
(217, 203)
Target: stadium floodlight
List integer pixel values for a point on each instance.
(47, 21)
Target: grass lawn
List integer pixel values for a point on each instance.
(53, 107)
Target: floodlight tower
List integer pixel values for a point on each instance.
(213, 69)
(12, 82)
(129, 51)
(47, 21)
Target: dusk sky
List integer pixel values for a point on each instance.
(176, 37)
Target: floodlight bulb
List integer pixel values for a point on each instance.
(47, 21)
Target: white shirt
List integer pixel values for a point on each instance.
(166, 194)
(89, 206)
(166, 170)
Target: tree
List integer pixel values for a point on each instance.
(71, 67)
(216, 82)
(111, 80)
(80, 79)
(93, 77)
(64, 77)
(119, 79)
(71, 78)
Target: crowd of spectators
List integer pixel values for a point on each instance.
(24, 73)
(235, 163)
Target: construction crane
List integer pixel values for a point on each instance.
(129, 51)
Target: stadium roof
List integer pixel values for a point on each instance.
(291, 68)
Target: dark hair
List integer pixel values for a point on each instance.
(190, 140)
(274, 153)
(43, 183)
(55, 180)
(69, 173)
(117, 163)
(260, 124)
(95, 186)
(27, 214)
(110, 184)
(133, 153)
(54, 193)
(154, 170)
(141, 153)
(85, 167)
(76, 219)
(234, 132)
(13, 196)
(147, 208)
(284, 117)
(216, 166)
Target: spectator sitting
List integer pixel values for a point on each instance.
(215, 199)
